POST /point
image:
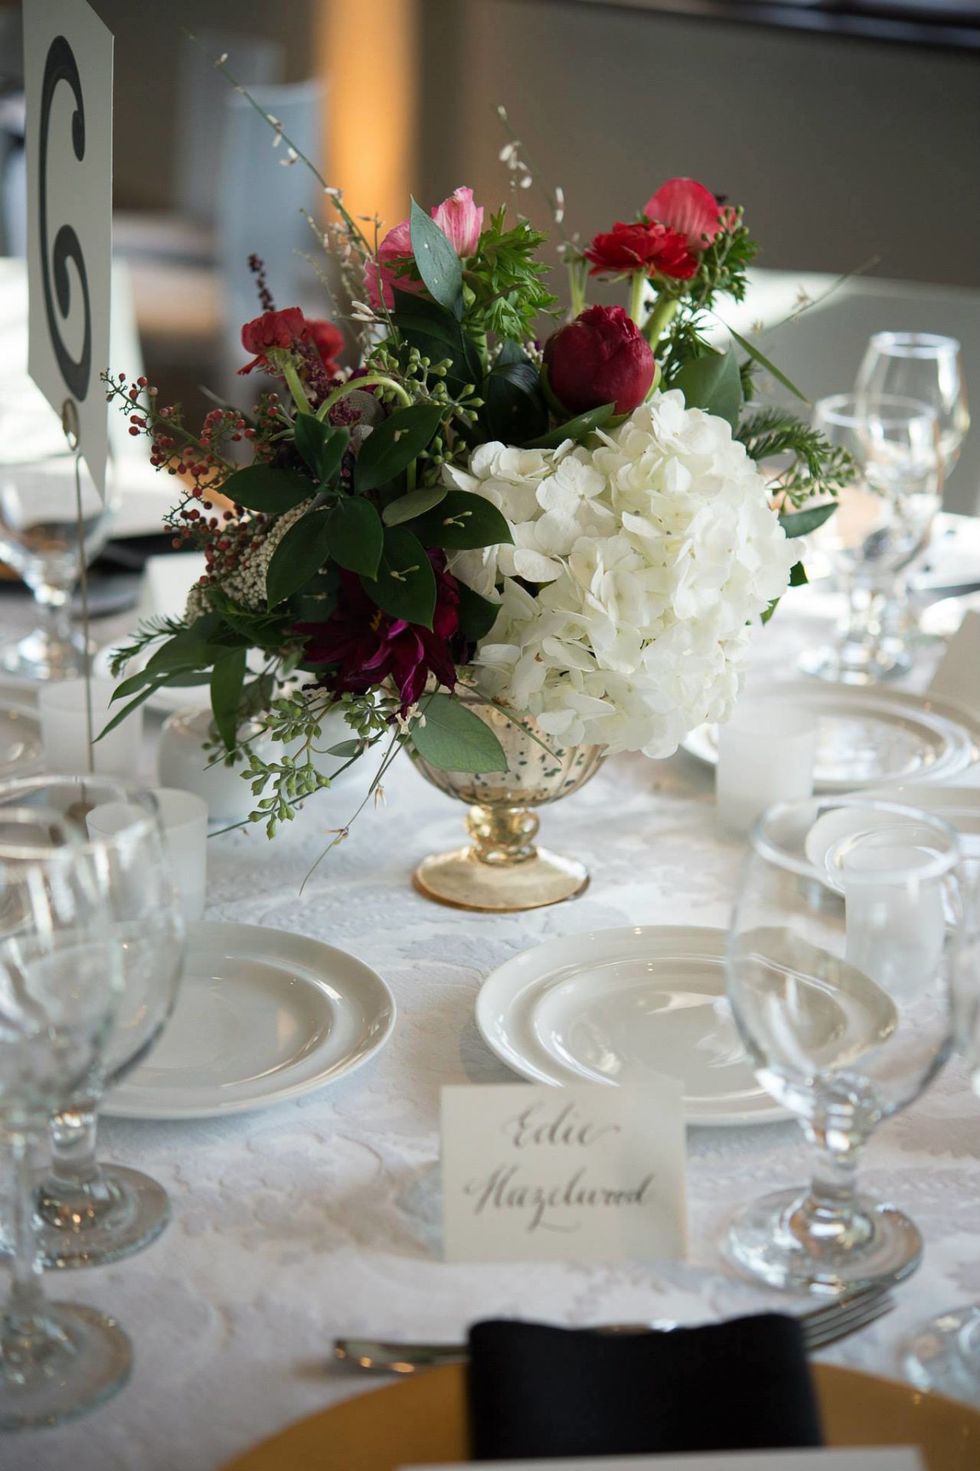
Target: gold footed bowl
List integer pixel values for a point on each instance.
(502, 869)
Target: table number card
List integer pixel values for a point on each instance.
(958, 675)
(858, 1459)
(584, 1173)
(68, 82)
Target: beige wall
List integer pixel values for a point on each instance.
(839, 149)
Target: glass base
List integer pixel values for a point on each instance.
(75, 1360)
(124, 1212)
(835, 665)
(777, 1241)
(944, 1354)
(39, 656)
(464, 881)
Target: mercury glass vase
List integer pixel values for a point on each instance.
(502, 869)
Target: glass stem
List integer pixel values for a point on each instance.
(25, 1299)
(862, 628)
(55, 603)
(830, 1216)
(73, 1136)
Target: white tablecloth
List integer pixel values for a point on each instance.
(321, 1216)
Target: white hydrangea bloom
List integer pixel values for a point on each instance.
(657, 550)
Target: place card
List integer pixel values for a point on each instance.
(584, 1173)
(68, 86)
(958, 675)
(861, 1458)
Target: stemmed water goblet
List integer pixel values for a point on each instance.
(883, 522)
(841, 966)
(60, 978)
(43, 487)
(922, 366)
(87, 1212)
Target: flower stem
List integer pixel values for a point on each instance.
(295, 385)
(576, 286)
(660, 318)
(367, 380)
(637, 282)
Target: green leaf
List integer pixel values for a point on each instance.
(298, 557)
(578, 428)
(321, 445)
(346, 749)
(405, 586)
(414, 503)
(801, 523)
(797, 575)
(263, 488)
(437, 262)
(454, 739)
(227, 677)
(394, 443)
(477, 614)
(134, 704)
(356, 536)
(437, 335)
(768, 612)
(760, 357)
(463, 521)
(193, 646)
(515, 409)
(712, 382)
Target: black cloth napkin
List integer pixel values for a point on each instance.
(537, 1391)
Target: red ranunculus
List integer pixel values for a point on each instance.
(290, 329)
(689, 208)
(643, 246)
(329, 343)
(600, 358)
(368, 646)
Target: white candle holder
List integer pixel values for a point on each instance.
(766, 754)
(65, 734)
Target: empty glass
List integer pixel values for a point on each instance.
(39, 539)
(89, 1213)
(883, 522)
(60, 978)
(922, 366)
(944, 1354)
(841, 965)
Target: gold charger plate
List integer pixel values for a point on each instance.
(422, 1421)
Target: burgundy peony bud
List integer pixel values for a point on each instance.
(601, 357)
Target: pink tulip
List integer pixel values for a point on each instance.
(460, 220)
(688, 207)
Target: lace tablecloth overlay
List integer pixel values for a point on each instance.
(321, 1216)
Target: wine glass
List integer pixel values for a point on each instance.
(90, 1213)
(840, 962)
(923, 366)
(60, 978)
(42, 486)
(944, 1354)
(882, 523)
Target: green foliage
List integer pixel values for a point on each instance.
(298, 557)
(437, 262)
(448, 735)
(801, 523)
(321, 445)
(504, 286)
(413, 503)
(355, 536)
(405, 586)
(712, 382)
(810, 465)
(515, 408)
(264, 488)
(394, 443)
(462, 521)
(227, 677)
(578, 428)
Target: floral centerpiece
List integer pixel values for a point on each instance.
(471, 539)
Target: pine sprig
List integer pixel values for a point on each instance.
(149, 631)
(814, 467)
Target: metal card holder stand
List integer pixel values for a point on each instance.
(69, 423)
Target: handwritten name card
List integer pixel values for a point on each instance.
(586, 1173)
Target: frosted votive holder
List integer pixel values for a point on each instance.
(184, 819)
(64, 731)
(766, 754)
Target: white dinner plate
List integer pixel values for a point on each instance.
(626, 1006)
(869, 737)
(21, 751)
(262, 1016)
